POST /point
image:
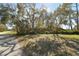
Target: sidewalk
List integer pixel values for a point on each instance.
(10, 48)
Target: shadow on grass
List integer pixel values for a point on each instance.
(27, 37)
(73, 43)
(45, 47)
(48, 47)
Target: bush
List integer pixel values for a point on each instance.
(50, 31)
(76, 31)
(67, 31)
(2, 27)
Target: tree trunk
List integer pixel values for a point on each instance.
(77, 15)
(70, 21)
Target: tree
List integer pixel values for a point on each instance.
(20, 21)
(77, 15)
(26, 17)
(6, 11)
(63, 14)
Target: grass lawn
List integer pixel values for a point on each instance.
(7, 32)
(70, 36)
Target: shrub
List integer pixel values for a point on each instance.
(2, 27)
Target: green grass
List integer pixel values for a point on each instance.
(8, 32)
(70, 36)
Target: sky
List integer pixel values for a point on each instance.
(50, 6)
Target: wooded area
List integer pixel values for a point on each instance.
(25, 18)
(26, 30)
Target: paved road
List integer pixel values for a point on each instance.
(9, 46)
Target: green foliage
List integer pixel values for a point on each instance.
(2, 28)
(4, 19)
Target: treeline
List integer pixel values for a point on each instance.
(26, 18)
